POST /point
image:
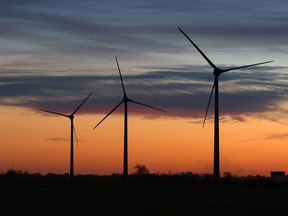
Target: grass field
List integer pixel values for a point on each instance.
(141, 199)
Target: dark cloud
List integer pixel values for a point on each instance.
(182, 91)
(57, 139)
(73, 35)
(136, 28)
(283, 136)
(38, 36)
(280, 136)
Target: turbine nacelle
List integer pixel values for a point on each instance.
(218, 71)
(125, 98)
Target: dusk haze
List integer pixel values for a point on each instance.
(55, 53)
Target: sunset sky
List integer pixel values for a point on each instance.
(54, 53)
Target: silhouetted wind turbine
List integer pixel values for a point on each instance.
(125, 100)
(217, 72)
(71, 117)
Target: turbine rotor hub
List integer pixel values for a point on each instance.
(217, 72)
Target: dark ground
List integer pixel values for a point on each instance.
(58, 198)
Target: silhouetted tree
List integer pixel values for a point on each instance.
(141, 170)
(227, 176)
(11, 172)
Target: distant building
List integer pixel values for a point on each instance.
(278, 176)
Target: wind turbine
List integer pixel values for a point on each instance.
(125, 100)
(217, 72)
(71, 117)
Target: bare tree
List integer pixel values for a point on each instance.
(141, 170)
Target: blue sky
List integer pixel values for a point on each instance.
(54, 53)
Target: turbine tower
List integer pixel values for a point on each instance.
(71, 117)
(125, 100)
(216, 72)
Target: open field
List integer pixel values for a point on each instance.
(141, 199)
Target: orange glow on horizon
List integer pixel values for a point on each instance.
(35, 141)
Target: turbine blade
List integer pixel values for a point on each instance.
(208, 105)
(56, 113)
(245, 66)
(109, 113)
(81, 104)
(146, 105)
(74, 130)
(200, 51)
(124, 92)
